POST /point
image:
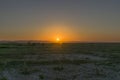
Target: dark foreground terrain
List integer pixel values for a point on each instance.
(54, 61)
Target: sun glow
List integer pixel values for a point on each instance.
(57, 39)
(58, 32)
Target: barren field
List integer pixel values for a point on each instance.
(54, 61)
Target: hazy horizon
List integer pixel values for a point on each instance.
(43, 41)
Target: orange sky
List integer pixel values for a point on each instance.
(53, 31)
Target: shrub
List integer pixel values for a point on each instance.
(3, 78)
(41, 76)
(58, 68)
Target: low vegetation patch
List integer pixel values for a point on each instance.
(74, 62)
(41, 77)
(3, 78)
(59, 79)
(58, 68)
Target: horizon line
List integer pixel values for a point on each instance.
(46, 41)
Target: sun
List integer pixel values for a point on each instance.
(58, 39)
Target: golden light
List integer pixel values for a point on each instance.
(58, 33)
(57, 39)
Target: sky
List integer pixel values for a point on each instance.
(70, 20)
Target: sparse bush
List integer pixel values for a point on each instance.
(25, 72)
(3, 78)
(59, 68)
(41, 77)
(1, 67)
(99, 73)
(59, 79)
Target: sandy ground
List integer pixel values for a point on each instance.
(87, 71)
